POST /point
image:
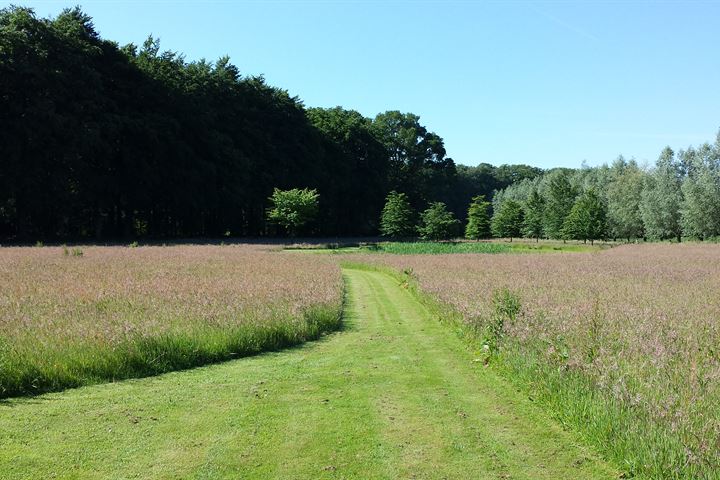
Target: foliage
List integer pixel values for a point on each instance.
(624, 194)
(534, 216)
(360, 176)
(398, 217)
(294, 208)
(700, 207)
(478, 224)
(508, 220)
(678, 197)
(561, 196)
(417, 162)
(105, 141)
(661, 199)
(437, 223)
(587, 218)
(484, 180)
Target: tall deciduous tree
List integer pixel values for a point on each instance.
(661, 199)
(587, 218)
(624, 194)
(417, 162)
(507, 220)
(398, 217)
(358, 173)
(700, 207)
(534, 215)
(438, 223)
(560, 198)
(478, 225)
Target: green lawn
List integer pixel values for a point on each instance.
(396, 394)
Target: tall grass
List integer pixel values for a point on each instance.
(621, 345)
(411, 248)
(436, 248)
(118, 313)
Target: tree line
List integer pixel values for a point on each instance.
(677, 197)
(104, 141)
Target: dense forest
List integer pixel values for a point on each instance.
(104, 141)
(678, 197)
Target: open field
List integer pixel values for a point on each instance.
(394, 395)
(436, 248)
(119, 312)
(622, 344)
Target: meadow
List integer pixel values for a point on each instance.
(71, 317)
(620, 344)
(439, 248)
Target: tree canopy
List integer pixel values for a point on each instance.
(507, 220)
(398, 217)
(438, 223)
(478, 223)
(104, 141)
(293, 209)
(108, 141)
(587, 218)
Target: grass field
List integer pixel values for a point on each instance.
(622, 344)
(118, 312)
(437, 248)
(394, 395)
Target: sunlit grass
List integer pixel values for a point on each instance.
(622, 345)
(438, 248)
(119, 312)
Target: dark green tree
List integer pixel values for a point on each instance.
(417, 164)
(478, 225)
(437, 223)
(508, 220)
(293, 209)
(534, 215)
(624, 194)
(506, 175)
(359, 169)
(398, 217)
(560, 197)
(587, 218)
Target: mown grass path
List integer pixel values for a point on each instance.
(394, 395)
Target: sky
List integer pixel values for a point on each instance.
(546, 83)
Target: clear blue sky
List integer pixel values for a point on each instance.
(543, 83)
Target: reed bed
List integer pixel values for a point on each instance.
(93, 314)
(622, 344)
